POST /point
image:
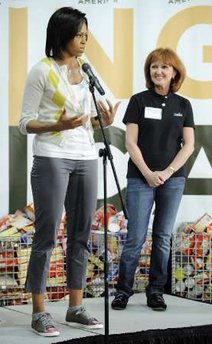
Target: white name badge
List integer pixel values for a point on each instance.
(153, 113)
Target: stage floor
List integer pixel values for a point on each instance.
(15, 320)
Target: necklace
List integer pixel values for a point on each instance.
(72, 99)
(74, 75)
(75, 104)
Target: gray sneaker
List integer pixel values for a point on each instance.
(81, 318)
(44, 326)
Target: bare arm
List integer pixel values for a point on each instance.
(183, 155)
(64, 123)
(137, 157)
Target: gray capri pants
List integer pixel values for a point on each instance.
(57, 183)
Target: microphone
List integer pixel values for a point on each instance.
(87, 69)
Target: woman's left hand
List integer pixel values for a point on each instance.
(108, 113)
(163, 175)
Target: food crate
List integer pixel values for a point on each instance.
(95, 269)
(14, 258)
(192, 261)
(16, 236)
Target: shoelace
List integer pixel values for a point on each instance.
(82, 310)
(120, 297)
(46, 321)
(159, 298)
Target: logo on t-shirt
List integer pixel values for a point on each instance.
(178, 114)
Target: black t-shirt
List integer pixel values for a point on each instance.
(160, 120)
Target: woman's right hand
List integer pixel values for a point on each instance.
(155, 179)
(66, 122)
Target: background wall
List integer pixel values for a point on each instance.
(122, 33)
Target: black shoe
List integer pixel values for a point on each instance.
(120, 301)
(156, 302)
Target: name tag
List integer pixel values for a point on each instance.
(153, 113)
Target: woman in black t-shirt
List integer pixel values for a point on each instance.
(159, 140)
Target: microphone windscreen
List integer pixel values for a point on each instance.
(85, 67)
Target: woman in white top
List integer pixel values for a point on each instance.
(58, 108)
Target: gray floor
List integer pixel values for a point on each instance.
(15, 320)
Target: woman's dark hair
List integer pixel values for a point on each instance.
(63, 26)
(169, 57)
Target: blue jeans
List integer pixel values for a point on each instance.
(140, 200)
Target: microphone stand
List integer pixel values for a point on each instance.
(106, 153)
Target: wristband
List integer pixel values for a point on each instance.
(172, 169)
